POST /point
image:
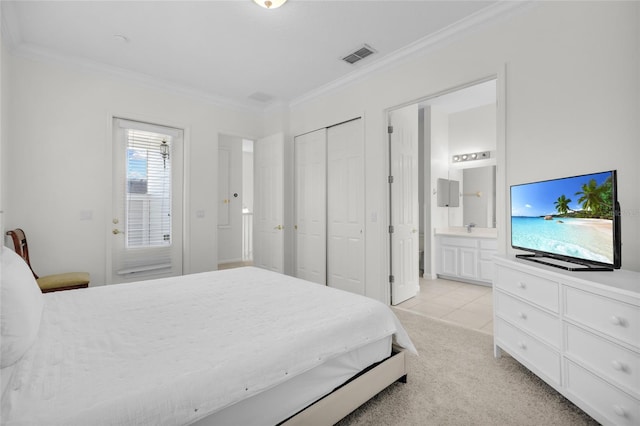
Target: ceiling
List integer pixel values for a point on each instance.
(233, 51)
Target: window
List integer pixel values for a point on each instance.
(148, 191)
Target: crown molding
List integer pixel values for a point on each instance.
(489, 15)
(33, 52)
(12, 39)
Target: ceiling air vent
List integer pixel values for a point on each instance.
(359, 54)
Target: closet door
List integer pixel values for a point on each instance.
(310, 229)
(345, 206)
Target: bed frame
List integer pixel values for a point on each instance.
(352, 394)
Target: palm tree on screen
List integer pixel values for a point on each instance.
(562, 204)
(591, 197)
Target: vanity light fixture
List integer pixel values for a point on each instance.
(270, 4)
(471, 156)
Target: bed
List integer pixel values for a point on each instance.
(235, 347)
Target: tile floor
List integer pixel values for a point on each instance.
(467, 305)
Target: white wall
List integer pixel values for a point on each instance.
(58, 143)
(572, 94)
(247, 180)
(439, 142)
(472, 130)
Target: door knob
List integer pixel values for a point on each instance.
(116, 231)
(279, 227)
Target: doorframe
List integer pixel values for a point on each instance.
(502, 227)
(186, 196)
(217, 196)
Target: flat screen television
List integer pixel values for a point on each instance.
(574, 219)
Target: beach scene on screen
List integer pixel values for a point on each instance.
(569, 217)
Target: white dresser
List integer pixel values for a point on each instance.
(578, 331)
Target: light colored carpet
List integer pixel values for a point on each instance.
(457, 381)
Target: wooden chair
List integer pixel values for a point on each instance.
(56, 282)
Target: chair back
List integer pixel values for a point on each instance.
(20, 246)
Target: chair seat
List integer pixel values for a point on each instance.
(66, 281)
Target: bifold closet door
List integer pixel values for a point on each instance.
(345, 206)
(310, 227)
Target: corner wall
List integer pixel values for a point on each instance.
(58, 143)
(572, 95)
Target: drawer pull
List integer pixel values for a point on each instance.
(522, 345)
(618, 366)
(620, 411)
(522, 315)
(522, 285)
(617, 321)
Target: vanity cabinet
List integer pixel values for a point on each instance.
(465, 258)
(578, 331)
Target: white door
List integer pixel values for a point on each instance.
(268, 243)
(146, 223)
(345, 206)
(310, 217)
(403, 151)
(229, 199)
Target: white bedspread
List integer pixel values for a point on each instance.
(171, 351)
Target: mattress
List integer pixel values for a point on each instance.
(177, 350)
(287, 399)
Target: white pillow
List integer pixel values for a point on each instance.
(21, 309)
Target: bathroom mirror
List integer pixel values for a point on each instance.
(477, 197)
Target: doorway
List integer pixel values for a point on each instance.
(146, 223)
(455, 112)
(235, 201)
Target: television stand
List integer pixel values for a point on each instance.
(547, 260)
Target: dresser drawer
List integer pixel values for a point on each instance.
(539, 323)
(535, 355)
(612, 405)
(537, 290)
(617, 364)
(614, 318)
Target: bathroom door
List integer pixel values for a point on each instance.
(403, 197)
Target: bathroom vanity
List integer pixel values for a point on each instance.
(466, 256)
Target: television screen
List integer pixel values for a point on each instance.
(575, 219)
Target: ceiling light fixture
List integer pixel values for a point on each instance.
(270, 4)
